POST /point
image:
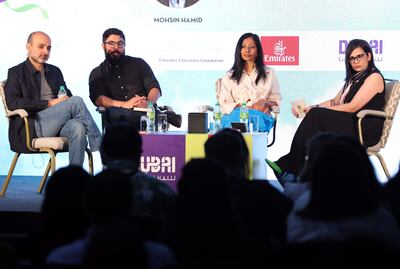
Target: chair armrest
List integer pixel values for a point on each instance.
(24, 115)
(372, 113)
(18, 112)
(375, 113)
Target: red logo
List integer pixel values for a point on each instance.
(280, 50)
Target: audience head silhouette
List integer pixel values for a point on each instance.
(391, 192)
(63, 204)
(343, 182)
(121, 141)
(228, 148)
(206, 227)
(109, 196)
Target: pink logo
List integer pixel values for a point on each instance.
(280, 50)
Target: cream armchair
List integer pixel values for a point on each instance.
(392, 97)
(49, 145)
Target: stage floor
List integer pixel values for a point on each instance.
(21, 194)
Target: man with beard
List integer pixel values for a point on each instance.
(121, 83)
(33, 85)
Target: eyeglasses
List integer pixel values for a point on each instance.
(359, 57)
(120, 44)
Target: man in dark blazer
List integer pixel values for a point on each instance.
(34, 85)
(178, 3)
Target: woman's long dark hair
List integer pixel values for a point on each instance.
(353, 44)
(238, 65)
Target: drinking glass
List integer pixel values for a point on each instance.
(162, 123)
(254, 123)
(144, 121)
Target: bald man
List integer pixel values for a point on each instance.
(33, 85)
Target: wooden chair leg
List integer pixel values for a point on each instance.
(10, 172)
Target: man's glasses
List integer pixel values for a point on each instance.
(359, 57)
(120, 44)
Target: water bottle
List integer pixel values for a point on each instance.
(62, 92)
(244, 115)
(217, 117)
(151, 115)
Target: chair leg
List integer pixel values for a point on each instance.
(44, 177)
(273, 135)
(50, 166)
(382, 161)
(90, 160)
(10, 172)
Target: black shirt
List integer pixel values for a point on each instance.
(133, 76)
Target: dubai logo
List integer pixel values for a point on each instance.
(375, 44)
(25, 8)
(280, 50)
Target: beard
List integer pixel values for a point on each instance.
(114, 57)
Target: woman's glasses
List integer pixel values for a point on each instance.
(359, 57)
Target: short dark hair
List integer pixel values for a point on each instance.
(228, 148)
(112, 31)
(121, 141)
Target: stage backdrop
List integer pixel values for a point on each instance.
(189, 48)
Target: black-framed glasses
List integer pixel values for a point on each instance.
(119, 44)
(359, 57)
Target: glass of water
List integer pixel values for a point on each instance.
(162, 123)
(254, 123)
(144, 121)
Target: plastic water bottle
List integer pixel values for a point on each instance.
(244, 115)
(151, 115)
(217, 118)
(62, 92)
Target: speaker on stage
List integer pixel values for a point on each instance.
(197, 122)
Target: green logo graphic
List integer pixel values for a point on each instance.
(25, 8)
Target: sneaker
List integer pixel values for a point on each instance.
(274, 166)
(277, 171)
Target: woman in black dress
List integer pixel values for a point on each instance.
(364, 88)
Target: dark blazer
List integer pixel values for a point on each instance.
(22, 90)
(188, 3)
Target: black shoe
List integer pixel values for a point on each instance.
(172, 118)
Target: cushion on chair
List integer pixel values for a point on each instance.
(56, 143)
